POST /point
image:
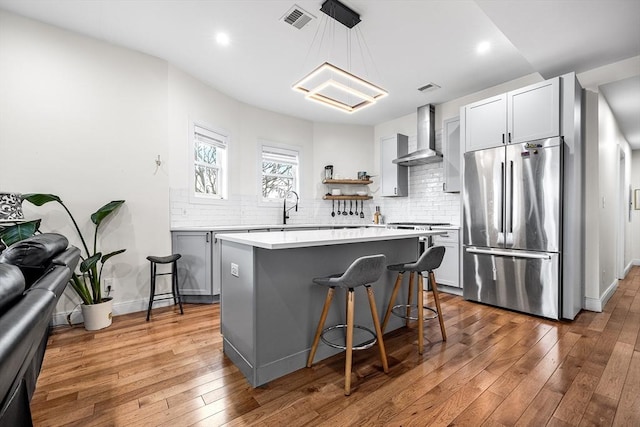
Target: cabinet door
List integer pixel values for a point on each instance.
(486, 124)
(451, 151)
(449, 271)
(394, 178)
(194, 268)
(534, 112)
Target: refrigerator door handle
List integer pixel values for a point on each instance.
(497, 252)
(502, 205)
(511, 197)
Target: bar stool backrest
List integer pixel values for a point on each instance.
(362, 271)
(430, 259)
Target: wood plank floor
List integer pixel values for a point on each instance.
(498, 368)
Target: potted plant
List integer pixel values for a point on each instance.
(96, 309)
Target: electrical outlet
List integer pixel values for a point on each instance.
(234, 270)
(108, 285)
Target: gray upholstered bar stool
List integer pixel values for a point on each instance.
(175, 291)
(362, 272)
(428, 261)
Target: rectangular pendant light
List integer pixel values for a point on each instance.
(337, 88)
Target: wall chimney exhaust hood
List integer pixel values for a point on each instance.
(426, 152)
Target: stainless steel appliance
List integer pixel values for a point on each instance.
(512, 226)
(425, 242)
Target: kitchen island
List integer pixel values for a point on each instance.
(269, 304)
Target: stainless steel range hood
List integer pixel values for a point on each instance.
(426, 152)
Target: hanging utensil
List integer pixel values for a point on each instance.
(362, 209)
(351, 207)
(333, 208)
(344, 212)
(356, 208)
(339, 213)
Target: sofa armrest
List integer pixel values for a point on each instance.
(21, 331)
(11, 286)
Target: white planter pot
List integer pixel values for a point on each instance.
(97, 316)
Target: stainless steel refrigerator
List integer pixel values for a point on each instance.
(512, 211)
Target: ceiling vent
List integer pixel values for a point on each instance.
(297, 16)
(428, 87)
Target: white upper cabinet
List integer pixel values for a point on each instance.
(486, 124)
(394, 178)
(534, 112)
(451, 152)
(526, 114)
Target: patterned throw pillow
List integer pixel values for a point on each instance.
(10, 206)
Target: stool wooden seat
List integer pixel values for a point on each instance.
(175, 291)
(362, 272)
(429, 261)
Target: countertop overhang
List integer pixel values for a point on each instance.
(310, 238)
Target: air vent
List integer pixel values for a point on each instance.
(297, 16)
(428, 87)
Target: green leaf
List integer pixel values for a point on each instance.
(15, 233)
(109, 255)
(90, 262)
(105, 211)
(40, 199)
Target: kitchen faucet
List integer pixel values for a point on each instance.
(285, 211)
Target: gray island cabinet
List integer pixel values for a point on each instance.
(269, 304)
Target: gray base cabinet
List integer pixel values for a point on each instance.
(195, 267)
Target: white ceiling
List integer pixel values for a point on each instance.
(411, 43)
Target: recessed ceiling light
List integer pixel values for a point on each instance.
(222, 39)
(483, 47)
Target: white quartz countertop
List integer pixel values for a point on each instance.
(216, 228)
(309, 238)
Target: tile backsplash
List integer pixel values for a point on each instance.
(426, 203)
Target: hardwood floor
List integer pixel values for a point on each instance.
(497, 368)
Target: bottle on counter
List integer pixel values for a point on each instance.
(377, 216)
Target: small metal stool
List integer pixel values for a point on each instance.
(429, 261)
(362, 272)
(175, 291)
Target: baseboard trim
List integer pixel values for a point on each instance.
(118, 309)
(597, 304)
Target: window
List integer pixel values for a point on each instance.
(279, 172)
(210, 162)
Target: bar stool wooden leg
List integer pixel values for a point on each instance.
(409, 299)
(434, 289)
(152, 288)
(323, 318)
(394, 294)
(349, 344)
(420, 313)
(376, 324)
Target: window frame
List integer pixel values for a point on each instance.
(222, 141)
(263, 146)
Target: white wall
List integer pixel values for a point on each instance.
(85, 120)
(611, 146)
(347, 147)
(592, 203)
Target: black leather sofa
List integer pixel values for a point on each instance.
(33, 275)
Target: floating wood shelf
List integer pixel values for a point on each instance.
(347, 197)
(347, 181)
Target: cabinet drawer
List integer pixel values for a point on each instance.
(451, 236)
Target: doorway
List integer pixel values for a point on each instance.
(622, 216)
